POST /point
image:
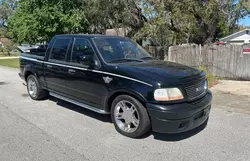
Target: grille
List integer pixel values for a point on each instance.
(196, 91)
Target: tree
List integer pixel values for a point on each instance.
(7, 7)
(39, 20)
(232, 12)
(163, 21)
(246, 5)
(196, 21)
(106, 14)
(155, 28)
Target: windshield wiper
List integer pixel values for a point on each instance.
(146, 57)
(125, 60)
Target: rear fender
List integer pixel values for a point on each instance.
(29, 69)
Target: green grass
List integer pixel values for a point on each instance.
(13, 63)
(212, 80)
(11, 54)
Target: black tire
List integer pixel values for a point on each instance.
(144, 121)
(41, 93)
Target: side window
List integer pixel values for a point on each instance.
(82, 52)
(59, 50)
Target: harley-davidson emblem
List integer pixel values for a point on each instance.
(107, 80)
(198, 89)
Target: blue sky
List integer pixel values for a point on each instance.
(245, 21)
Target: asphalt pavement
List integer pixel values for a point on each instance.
(55, 130)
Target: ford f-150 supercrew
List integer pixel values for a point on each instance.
(114, 75)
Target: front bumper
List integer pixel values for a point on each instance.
(177, 118)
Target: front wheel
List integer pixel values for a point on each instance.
(129, 116)
(34, 89)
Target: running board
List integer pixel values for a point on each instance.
(79, 104)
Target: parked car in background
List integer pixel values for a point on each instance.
(114, 75)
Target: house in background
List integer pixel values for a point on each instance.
(238, 38)
(117, 32)
(4, 42)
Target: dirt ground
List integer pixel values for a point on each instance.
(241, 88)
(232, 95)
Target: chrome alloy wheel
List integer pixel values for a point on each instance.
(32, 87)
(126, 116)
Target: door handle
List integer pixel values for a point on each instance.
(49, 66)
(71, 71)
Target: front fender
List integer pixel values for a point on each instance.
(113, 94)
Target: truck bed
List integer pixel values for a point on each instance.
(33, 51)
(32, 56)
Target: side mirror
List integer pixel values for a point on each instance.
(88, 60)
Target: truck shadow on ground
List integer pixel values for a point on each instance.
(86, 112)
(107, 119)
(3, 83)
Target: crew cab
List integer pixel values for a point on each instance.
(114, 75)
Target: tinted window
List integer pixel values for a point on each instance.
(82, 52)
(119, 48)
(59, 50)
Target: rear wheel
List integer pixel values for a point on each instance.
(34, 89)
(129, 116)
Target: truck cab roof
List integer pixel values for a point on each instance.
(87, 35)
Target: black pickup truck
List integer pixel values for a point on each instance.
(114, 75)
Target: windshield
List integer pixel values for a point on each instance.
(117, 49)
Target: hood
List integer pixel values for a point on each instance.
(162, 72)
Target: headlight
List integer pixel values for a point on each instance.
(168, 94)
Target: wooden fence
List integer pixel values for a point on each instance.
(156, 51)
(222, 61)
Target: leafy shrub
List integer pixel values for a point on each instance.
(212, 80)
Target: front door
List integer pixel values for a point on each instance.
(85, 85)
(56, 71)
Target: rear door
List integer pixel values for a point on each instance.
(55, 68)
(84, 85)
